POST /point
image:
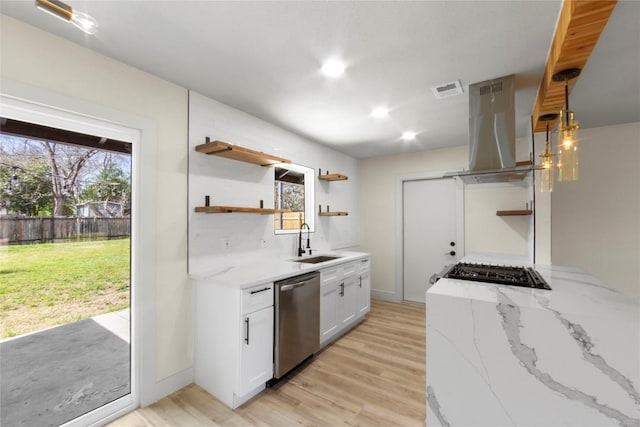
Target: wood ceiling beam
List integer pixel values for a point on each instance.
(579, 27)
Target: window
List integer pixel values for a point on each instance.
(293, 190)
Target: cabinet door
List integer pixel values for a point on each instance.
(256, 351)
(364, 293)
(347, 302)
(328, 311)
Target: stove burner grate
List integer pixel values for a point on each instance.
(498, 274)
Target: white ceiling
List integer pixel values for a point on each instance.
(264, 58)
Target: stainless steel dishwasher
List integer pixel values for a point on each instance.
(297, 321)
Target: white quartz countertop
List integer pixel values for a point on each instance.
(573, 291)
(253, 270)
(507, 355)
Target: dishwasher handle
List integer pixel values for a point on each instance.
(290, 286)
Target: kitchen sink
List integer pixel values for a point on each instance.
(317, 259)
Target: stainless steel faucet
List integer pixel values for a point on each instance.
(300, 250)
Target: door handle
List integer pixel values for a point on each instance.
(246, 322)
(342, 289)
(452, 253)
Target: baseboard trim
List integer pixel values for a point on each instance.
(385, 296)
(166, 386)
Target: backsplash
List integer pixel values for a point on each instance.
(223, 238)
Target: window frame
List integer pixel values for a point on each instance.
(309, 196)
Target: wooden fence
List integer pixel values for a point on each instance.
(288, 221)
(50, 229)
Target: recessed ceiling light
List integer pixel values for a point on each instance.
(333, 68)
(409, 136)
(380, 112)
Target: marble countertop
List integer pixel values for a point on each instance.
(245, 272)
(506, 355)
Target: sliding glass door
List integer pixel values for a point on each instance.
(67, 348)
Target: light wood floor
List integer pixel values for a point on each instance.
(372, 376)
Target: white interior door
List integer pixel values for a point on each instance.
(429, 232)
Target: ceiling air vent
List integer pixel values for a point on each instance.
(447, 89)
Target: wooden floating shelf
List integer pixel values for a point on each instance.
(229, 209)
(236, 152)
(514, 212)
(333, 213)
(524, 163)
(333, 177)
(577, 32)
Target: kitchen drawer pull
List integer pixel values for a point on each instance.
(246, 322)
(342, 289)
(259, 290)
(360, 281)
(365, 260)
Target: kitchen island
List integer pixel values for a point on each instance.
(511, 356)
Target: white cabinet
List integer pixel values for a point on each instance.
(328, 303)
(256, 347)
(364, 287)
(233, 340)
(344, 298)
(256, 360)
(347, 300)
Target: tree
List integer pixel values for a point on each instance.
(67, 162)
(111, 184)
(27, 187)
(52, 178)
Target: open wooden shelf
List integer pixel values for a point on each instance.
(333, 177)
(514, 212)
(229, 209)
(236, 152)
(524, 163)
(333, 213)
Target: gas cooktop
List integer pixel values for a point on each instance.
(498, 274)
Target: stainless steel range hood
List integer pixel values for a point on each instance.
(492, 136)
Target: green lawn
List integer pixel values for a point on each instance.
(44, 285)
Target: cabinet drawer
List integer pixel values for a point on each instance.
(330, 276)
(256, 298)
(349, 269)
(364, 265)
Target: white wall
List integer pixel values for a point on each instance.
(593, 223)
(38, 59)
(488, 233)
(596, 220)
(484, 231)
(234, 183)
(378, 200)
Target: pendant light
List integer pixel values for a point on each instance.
(567, 131)
(546, 158)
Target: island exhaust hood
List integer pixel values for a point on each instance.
(492, 141)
